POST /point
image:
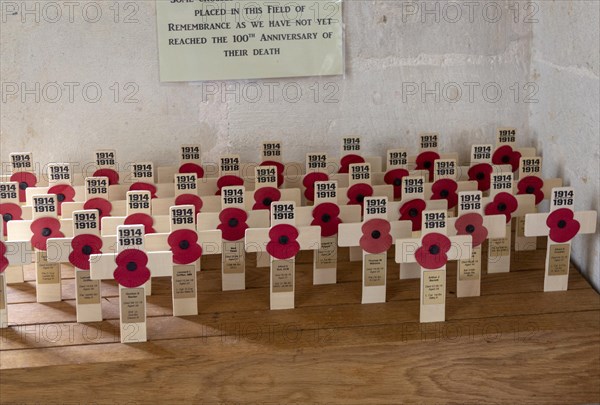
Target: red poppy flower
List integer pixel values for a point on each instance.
(349, 160)
(144, 187)
(185, 247)
(113, 176)
(503, 203)
(563, 226)
(357, 193)
(413, 211)
(505, 155)
(9, 212)
(433, 251)
(228, 181)
(531, 185)
(263, 197)
(482, 174)
(326, 216)
(426, 161)
(192, 168)
(283, 244)
(64, 193)
(309, 182)
(141, 219)
(44, 229)
(280, 170)
(445, 189)
(376, 236)
(3, 258)
(132, 270)
(103, 206)
(190, 199)
(472, 224)
(394, 177)
(233, 224)
(25, 180)
(84, 246)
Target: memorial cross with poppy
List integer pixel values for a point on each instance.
(561, 225)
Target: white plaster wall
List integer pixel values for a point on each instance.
(387, 44)
(565, 122)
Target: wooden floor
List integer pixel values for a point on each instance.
(514, 344)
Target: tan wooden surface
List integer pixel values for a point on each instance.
(514, 344)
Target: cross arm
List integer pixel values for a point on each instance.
(256, 239)
(309, 237)
(349, 234)
(535, 224)
(19, 252)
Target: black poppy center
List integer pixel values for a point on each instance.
(360, 198)
(501, 207)
(267, 202)
(480, 176)
(444, 193)
(46, 232)
(7, 217)
(184, 244)
(505, 159)
(470, 228)
(427, 165)
(284, 240)
(530, 190)
(413, 212)
(233, 222)
(23, 185)
(60, 197)
(326, 218)
(376, 234)
(434, 250)
(397, 182)
(562, 223)
(86, 250)
(131, 266)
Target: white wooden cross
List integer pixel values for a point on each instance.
(445, 185)
(11, 210)
(375, 235)
(318, 168)
(190, 162)
(531, 182)
(138, 211)
(133, 268)
(410, 208)
(283, 240)
(561, 225)
(43, 226)
(480, 167)
(188, 246)
(351, 154)
(428, 154)
(12, 254)
(327, 213)
(502, 201)
(186, 193)
(106, 166)
(432, 251)
(76, 250)
(471, 221)
(506, 152)
(232, 221)
(97, 192)
(265, 188)
(229, 174)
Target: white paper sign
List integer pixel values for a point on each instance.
(223, 40)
